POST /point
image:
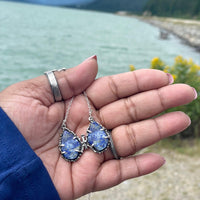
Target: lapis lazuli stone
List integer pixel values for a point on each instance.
(97, 138)
(70, 146)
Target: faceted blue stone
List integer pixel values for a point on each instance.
(71, 146)
(96, 137)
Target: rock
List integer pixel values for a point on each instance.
(187, 30)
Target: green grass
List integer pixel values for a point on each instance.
(190, 147)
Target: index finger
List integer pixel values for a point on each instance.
(105, 90)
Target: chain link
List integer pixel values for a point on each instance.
(89, 107)
(69, 106)
(67, 113)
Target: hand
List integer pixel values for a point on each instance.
(126, 103)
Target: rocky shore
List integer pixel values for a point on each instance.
(187, 30)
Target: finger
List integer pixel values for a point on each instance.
(129, 139)
(114, 172)
(145, 105)
(111, 88)
(75, 80)
(71, 82)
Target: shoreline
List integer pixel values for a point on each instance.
(187, 30)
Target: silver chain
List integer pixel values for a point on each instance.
(67, 113)
(89, 196)
(69, 106)
(89, 106)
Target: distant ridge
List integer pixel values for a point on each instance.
(117, 5)
(56, 2)
(132, 6)
(174, 8)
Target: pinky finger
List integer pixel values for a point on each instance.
(114, 172)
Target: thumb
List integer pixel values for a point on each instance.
(72, 81)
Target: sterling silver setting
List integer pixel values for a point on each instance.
(108, 136)
(80, 151)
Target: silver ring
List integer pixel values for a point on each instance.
(112, 148)
(54, 85)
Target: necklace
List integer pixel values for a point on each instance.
(97, 138)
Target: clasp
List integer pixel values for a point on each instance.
(84, 142)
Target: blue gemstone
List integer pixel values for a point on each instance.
(97, 138)
(70, 146)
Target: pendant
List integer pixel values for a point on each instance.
(70, 145)
(98, 138)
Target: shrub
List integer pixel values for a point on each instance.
(184, 71)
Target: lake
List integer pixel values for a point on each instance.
(34, 39)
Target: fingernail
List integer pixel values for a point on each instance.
(91, 57)
(195, 93)
(189, 121)
(164, 161)
(170, 78)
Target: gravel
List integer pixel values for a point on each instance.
(188, 30)
(178, 179)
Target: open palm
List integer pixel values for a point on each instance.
(125, 103)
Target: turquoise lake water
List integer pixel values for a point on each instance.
(34, 39)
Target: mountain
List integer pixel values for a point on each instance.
(101, 5)
(57, 2)
(117, 5)
(174, 8)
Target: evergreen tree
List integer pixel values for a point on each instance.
(173, 8)
(117, 5)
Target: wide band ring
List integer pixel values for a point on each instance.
(54, 85)
(112, 148)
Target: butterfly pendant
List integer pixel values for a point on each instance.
(72, 147)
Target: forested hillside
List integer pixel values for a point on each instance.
(174, 8)
(118, 5)
(166, 8)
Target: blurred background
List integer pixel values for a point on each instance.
(126, 35)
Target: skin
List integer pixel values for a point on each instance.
(127, 103)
